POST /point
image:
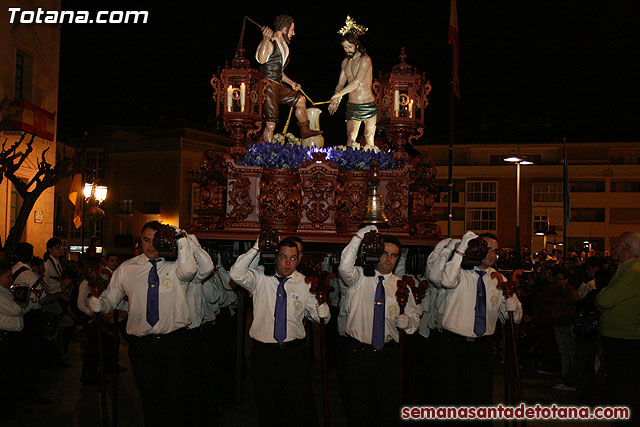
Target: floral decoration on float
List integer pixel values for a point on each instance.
(290, 155)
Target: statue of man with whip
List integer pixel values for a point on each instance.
(273, 55)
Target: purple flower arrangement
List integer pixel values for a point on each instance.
(291, 156)
(275, 156)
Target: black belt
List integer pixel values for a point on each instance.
(461, 338)
(9, 337)
(360, 346)
(281, 346)
(156, 337)
(204, 327)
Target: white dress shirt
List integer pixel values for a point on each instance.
(131, 279)
(459, 310)
(11, 313)
(300, 301)
(83, 298)
(195, 295)
(424, 306)
(424, 327)
(218, 294)
(27, 277)
(343, 314)
(53, 275)
(434, 270)
(362, 291)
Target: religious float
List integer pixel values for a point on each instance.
(322, 194)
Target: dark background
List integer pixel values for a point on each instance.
(528, 69)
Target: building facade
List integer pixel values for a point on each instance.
(151, 174)
(604, 181)
(29, 83)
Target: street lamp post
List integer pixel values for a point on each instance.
(97, 193)
(518, 161)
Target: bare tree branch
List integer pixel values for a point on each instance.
(46, 175)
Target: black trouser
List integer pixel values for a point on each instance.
(12, 362)
(467, 369)
(622, 364)
(225, 336)
(203, 387)
(372, 384)
(427, 367)
(160, 365)
(282, 384)
(34, 349)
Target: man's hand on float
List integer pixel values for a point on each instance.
(364, 230)
(464, 242)
(452, 244)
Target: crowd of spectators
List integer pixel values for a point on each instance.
(559, 333)
(39, 316)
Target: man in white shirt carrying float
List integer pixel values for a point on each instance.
(472, 307)
(279, 360)
(158, 320)
(373, 330)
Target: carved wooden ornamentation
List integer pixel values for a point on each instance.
(280, 199)
(239, 199)
(351, 199)
(213, 191)
(315, 198)
(395, 203)
(421, 218)
(319, 181)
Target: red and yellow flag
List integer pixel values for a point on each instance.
(76, 196)
(453, 42)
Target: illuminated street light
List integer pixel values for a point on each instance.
(518, 161)
(98, 192)
(513, 159)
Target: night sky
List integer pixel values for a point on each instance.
(528, 69)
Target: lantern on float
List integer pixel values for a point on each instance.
(402, 100)
(239, 95)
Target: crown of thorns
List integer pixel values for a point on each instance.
(350, 26)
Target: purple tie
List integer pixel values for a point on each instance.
(480, 323)
(377, 340)
(280, 324)
(152, 294)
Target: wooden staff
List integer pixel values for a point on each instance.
(116, 367)
(419, 291)
(320, 286)
(103, 394)
(512, 381)
(96, 285)
(402, 295)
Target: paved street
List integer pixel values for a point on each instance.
(75, 405)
